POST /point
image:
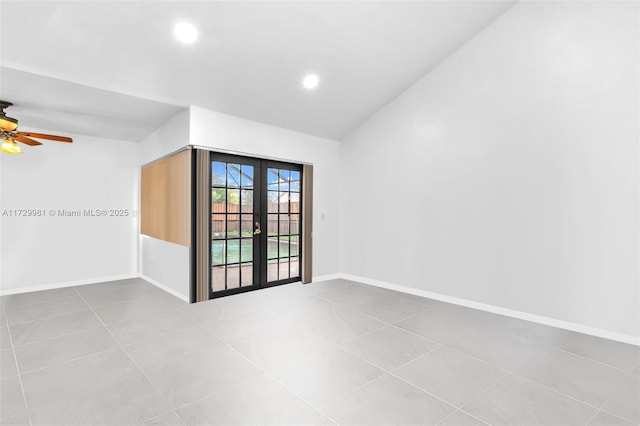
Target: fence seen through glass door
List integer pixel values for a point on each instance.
(283, 224)
(232, 225)
(255, 223)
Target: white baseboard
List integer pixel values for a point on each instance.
(580, 328)
(31, 289)
(164, 287)
(326, 277)
(566, 325)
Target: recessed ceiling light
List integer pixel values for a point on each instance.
(185, 32)
(310, 81)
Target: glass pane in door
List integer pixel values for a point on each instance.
(255, 223)
(283, 231)
(232, 225)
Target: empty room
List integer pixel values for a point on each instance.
(320, 212)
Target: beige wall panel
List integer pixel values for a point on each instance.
(165, 205)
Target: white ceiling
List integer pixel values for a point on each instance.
(249, 60)
(53, 104)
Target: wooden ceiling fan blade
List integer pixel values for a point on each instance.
(26, 140)
(45, 136)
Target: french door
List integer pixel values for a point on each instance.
(255, 223)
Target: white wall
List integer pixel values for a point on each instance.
(50, 251)
(170, 137)
(163, 263)
(228, 133)
(509, 174)
(166, 265)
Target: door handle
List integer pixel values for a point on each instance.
(257, 231)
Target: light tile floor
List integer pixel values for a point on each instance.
(333, 352)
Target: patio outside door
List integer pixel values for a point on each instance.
(255, 223)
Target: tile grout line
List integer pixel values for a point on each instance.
(592, 418)
(474, 416)
(19, 374)
(385, 324)
(103, 325)
(77, 294)
(446, 346)
(264, 371)
(48, 339)
(369, 316)
(119, 345)
(394, 324)
(313, 406)
(390, 372)
(434, 308)
(161, 415)
(71, 360)
(219, 391)
(22, 305)
(336, 345)
(601, 409)
(612, 415)
(397, 327)
(116, 282)
(511, 372)
(385, 371)
(463, 412)
(604, 364)
(48, 317)
(142, 372)
(478, 359)
(96, 327)
(588, 404)
(361, 303)
(272, 309)
(450, 403)
(127, 354)
(476, 396)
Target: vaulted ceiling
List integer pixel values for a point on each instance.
(92, 66)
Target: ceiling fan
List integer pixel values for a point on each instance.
(11, 136)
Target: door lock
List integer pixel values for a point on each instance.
(257, 231)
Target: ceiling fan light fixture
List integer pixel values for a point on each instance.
(9, 133)
(10, 147)
(8, 124)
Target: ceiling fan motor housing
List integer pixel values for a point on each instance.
(7, 124)
(11, 135)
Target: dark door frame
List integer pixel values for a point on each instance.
(260, 214)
